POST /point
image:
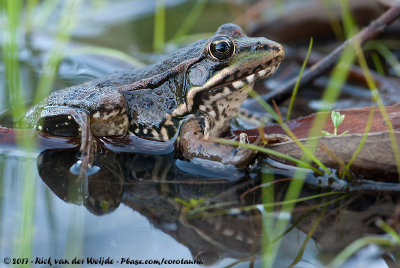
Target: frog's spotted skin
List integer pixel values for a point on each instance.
(219, 95)
(201, 85)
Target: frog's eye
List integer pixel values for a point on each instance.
(221, 48)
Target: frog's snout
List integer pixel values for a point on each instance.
(280, 50)
(277, 49)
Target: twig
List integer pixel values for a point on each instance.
(370, 32)
(388, 86)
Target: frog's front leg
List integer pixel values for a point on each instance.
(194, 142)
(71, 122)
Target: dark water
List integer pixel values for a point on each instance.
(129, 210)
(134, 207)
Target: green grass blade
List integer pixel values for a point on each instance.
(76, 236)
(268, 196)
(329, 97)
(256, 206)
(329, 7)
(45, 9)
(381, 106)
(11, 57)
(66, 24)
(357, 245)
(159, 26)
(108, 52)
(348, 20)
(29, 11)
(311, 209)
(377, 63)
(389, 230)
(290, 133)
(191, 19)
(308, 237)
(296, 86)
(300, 163)
(363, 139)
(28, 210)
(389, 57)
(2, 192)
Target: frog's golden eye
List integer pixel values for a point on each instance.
(221, 48)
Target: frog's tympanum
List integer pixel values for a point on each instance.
(194, 93)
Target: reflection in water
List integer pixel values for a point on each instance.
(216, 225)
(150, 185)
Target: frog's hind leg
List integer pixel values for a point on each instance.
(71, 122)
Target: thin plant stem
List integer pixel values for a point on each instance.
(389, 57)
(290, 133)
(389, 230)
(357, 245)
(191, 19)
(159, 26)
(271, 152)
(308, 237)
(11, 57)
(265, 205)
(375, 95)
(329, 7)
(377, 63)
(66, 24)
(108, 52)
(296, 87)
(363, 139)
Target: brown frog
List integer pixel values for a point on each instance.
(192, 96)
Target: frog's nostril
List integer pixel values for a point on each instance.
(276, 48)
(266, 47)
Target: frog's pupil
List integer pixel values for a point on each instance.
(221, 48)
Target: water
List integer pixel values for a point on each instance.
(128, 212)
(140, 206)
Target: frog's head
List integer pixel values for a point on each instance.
(230, 61)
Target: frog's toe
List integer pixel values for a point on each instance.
(88, 148)
(243, 156)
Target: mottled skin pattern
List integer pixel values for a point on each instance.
(193, 86)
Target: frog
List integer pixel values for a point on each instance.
(189, 97)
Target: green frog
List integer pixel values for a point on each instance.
(191, 97)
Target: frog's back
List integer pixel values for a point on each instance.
(86, 97)
(127, 77)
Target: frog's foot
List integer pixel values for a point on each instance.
(71, 122)
(192, 143)
(88, 147)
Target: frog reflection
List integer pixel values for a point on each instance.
(151, 184)
(144, 183)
